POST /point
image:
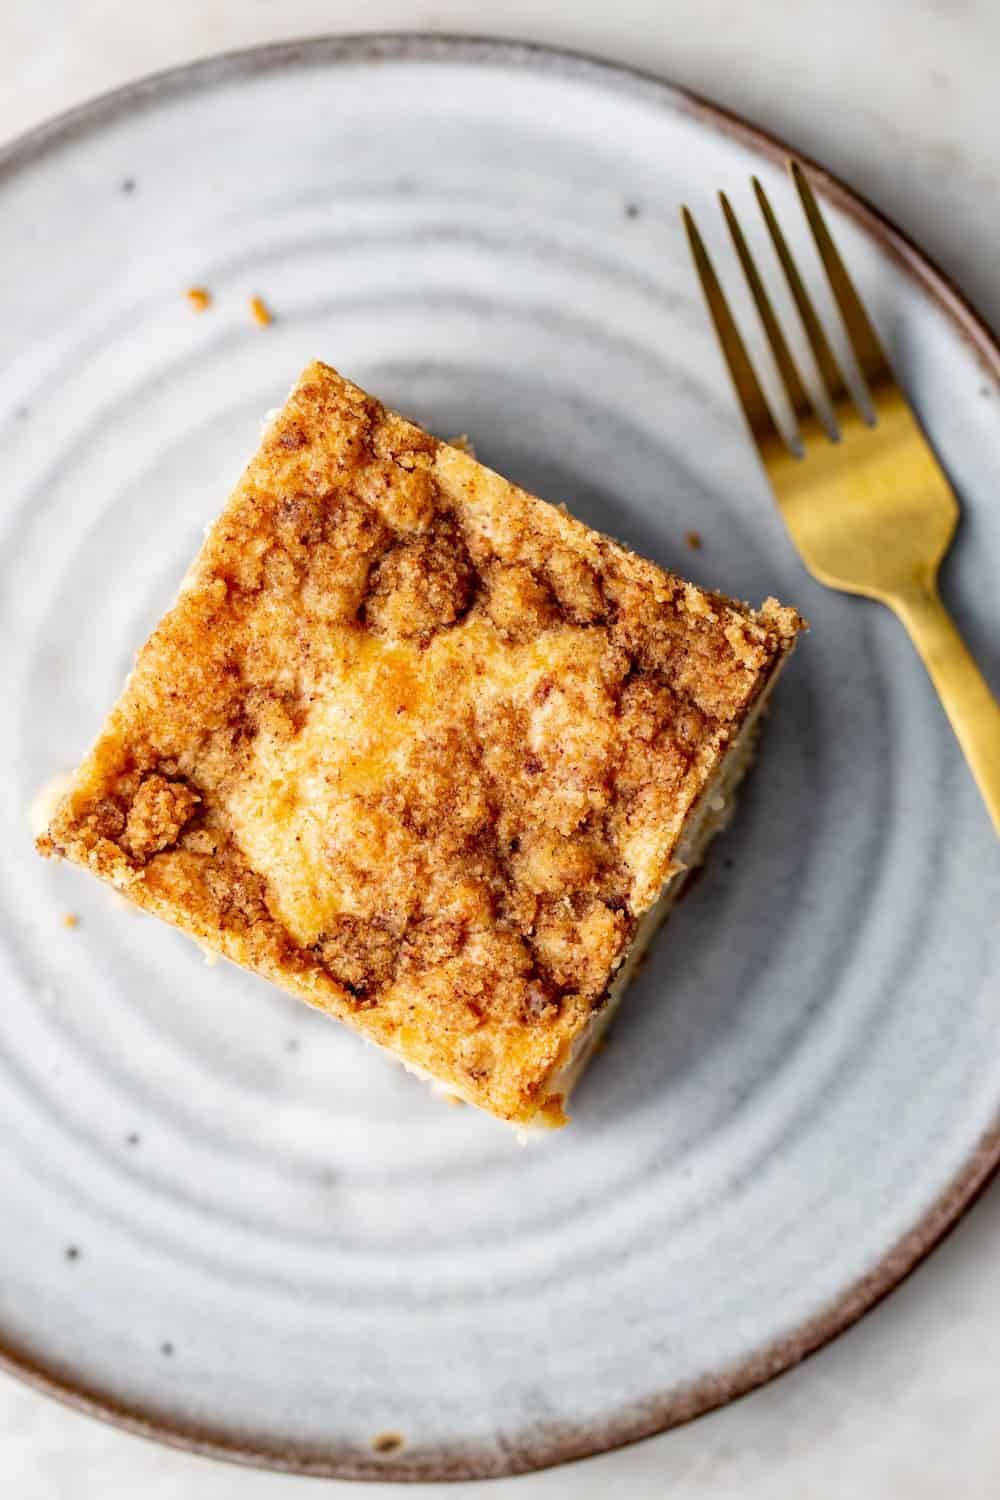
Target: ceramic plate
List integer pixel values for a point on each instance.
(228, 1224)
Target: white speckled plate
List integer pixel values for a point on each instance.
(224, 1221)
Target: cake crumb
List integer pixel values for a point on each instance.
(70, 919)
(693, 539)
(261, 312)
(199, 297)
(43, 804)
(444, 1093)
(387, 1442)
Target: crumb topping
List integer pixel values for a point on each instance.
(157, 813)
(415, 744)
(421, 584)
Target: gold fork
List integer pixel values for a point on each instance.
(871, 512)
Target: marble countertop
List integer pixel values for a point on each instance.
(900, 98)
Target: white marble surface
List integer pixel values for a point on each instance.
(901, 99)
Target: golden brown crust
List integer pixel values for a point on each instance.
(415, 744)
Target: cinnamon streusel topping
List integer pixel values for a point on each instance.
(415, 744)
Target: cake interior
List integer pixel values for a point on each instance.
(709, 816)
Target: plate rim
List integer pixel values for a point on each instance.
(657, 1413)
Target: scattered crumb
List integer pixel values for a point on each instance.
(261, 312)
(631, 210)
(167, 1348)
(693, 539)
(387, 1442)
(72, 1252)
(443, 1091)
(133, 1138)
(71, 919)
(199, 297)
(128, 184)
(291, 1045)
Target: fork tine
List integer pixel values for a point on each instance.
(829, 370)
(791, 379)
(751, 397)
(864, 341)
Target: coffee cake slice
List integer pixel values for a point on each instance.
(423, 750)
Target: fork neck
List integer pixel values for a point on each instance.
(972, 709)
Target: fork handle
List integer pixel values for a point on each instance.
(964, 692)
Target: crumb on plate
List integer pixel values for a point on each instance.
(387, 1442)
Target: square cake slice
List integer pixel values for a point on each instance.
(423, 750)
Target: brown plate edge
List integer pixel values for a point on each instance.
(549, 1444)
